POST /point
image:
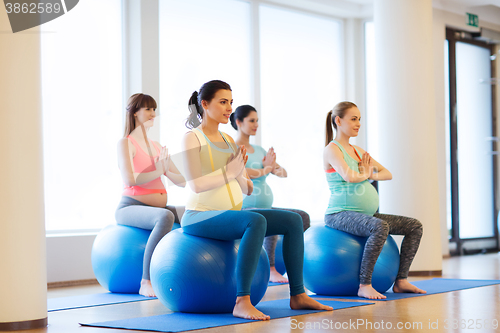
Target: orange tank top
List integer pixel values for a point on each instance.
(143, 162)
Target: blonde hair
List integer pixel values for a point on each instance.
(338, 110)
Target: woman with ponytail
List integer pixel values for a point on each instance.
(215, 172)
(142, 161)
(354, 201)
(260, 164)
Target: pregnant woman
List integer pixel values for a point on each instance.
(354, 201)
(261, 164)
(142, 161)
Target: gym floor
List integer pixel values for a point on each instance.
(466, 308)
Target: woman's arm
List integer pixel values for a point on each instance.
(201, 183)
(126, 153)
(334, 157)
(379, 171)
(245, 182)
(269, 165)
(280, 171)
(243, 179)
(257, 173)
(173, 173)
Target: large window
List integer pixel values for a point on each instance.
(82, 122)
(300, 81)
(200, 41)
(296, 78)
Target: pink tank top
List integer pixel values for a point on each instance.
(144, 163)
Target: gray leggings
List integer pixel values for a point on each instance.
(271, 241)
(134, 213)
(377, 228)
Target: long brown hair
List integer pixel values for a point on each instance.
(340, 111)
(134, 104)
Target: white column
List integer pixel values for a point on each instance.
(407, 121)
(23, 280)
(354, 76)
(142, 63)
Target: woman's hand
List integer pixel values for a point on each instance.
(269, 161)
(244, 152)
(365, 165)
(235, 164)
(164, 159)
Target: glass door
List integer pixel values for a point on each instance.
(472, 144)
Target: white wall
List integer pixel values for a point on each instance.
(68, 257)
(441, 20)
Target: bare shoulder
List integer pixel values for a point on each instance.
(360, 149)
(123, 143)
(191, 140)
(228, 137)
(333, 149)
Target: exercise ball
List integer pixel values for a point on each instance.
(332, 261)
(197, 274)
(279, 263)
(117, 257)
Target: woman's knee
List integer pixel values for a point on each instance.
(165, 220)
(295, 222)
(381, 228)
(306, 220)
(418, 228)
(258, 222)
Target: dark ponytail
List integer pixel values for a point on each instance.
(207, 93)
(241, 113)
(195, 112)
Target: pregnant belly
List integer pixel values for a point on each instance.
(262, 196)
(363, 198)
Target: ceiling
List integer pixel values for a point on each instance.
(487, 10)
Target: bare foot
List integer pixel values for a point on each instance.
(403, 286)
(303, 301)
(276, 276)
(147, 289)
(367, 291)
(244, 309)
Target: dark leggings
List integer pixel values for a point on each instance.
(377, 228)
(271, 241)
(159, 220)
(252, 227)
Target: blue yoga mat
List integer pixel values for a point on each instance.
(178, 322)
(84, 301)
(432, 286)
(270, 284)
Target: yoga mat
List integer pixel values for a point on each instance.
(84, 301)
(276, 283)
(432, 286)
(178, 322)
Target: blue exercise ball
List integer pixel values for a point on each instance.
(198, 275)
(332, 261)
(279, 263)
(117, 258)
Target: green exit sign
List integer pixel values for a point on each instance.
(472, 20)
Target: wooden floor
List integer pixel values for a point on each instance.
(468, 308)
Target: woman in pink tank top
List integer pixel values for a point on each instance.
(142, 161)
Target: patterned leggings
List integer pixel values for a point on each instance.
(377, 228)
